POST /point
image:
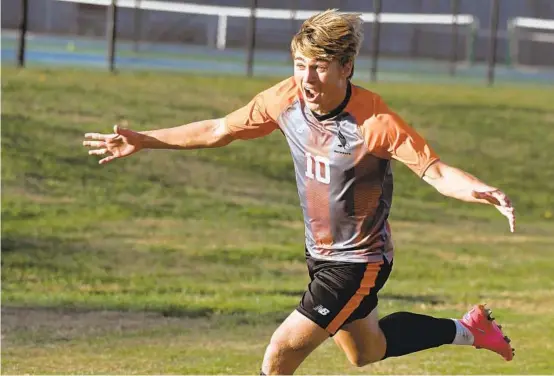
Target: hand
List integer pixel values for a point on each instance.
(122, 143)
(501, 202)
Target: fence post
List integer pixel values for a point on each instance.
(414, 42)
(293, 28)
(221, 33)
(454, 43)
(493, 41)
(376, 29)
(251, 38)
(111, 32)
(22, 33)
(137, 26)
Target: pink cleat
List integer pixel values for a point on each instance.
(486, 333)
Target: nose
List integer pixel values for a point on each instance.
(310, 75)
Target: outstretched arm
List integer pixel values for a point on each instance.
(453, 182)
(256, 119)
(124, 142)
(202, 134)
(388, 136)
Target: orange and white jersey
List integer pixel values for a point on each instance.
(342, 165)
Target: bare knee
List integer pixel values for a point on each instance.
(365, 356)
(282, 356)
(362, 341)
(291, 343)
(280, 348)
(275, 351)
(363, 359)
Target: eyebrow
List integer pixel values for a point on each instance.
(317, 60)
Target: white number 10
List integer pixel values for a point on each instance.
(322, 169)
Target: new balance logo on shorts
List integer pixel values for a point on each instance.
(321, 310)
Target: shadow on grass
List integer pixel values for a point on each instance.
(39, 325)
(48, 323)
(431, 300)
(75, 310)
(52, 253)
(11, 244)
(176, 311)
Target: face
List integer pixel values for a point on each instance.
(323, 83)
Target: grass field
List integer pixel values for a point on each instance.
(185, 262)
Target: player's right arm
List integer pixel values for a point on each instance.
(124, 142)
(254, 120)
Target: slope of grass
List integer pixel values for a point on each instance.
(208, 243)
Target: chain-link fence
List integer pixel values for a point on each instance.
(417, 39)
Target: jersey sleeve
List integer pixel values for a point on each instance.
(388, 136)
(259, 117)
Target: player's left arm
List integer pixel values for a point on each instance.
(453, 182)
(389, 136)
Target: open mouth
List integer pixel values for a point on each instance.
(310, 94)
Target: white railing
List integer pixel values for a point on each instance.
(533, 23)
(542, 32)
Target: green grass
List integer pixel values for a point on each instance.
(185, 262)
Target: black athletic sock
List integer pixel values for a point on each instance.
(408, 332)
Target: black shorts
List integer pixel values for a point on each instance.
(341, 292)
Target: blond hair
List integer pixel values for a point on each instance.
(330, 35)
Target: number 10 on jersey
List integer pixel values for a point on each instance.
(317, 168)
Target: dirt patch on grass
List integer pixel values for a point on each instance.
(44, 325)
(40, 199)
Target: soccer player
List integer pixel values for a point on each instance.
(342, 139)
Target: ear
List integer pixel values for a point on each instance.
(347, 69)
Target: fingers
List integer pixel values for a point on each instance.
(502, 203)
(107, 159)
(506, 209)
(100, 136)
(488, 196)
(122, 131)
(511, 218)
(100, 142)
(509, 213)
(94, 144)
(501, 198)
(507, 200)
(102, 151)
(512, 223)
(98, 151)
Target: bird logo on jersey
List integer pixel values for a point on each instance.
(343, 144)
(342, 139)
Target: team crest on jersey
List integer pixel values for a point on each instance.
(344, 146)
